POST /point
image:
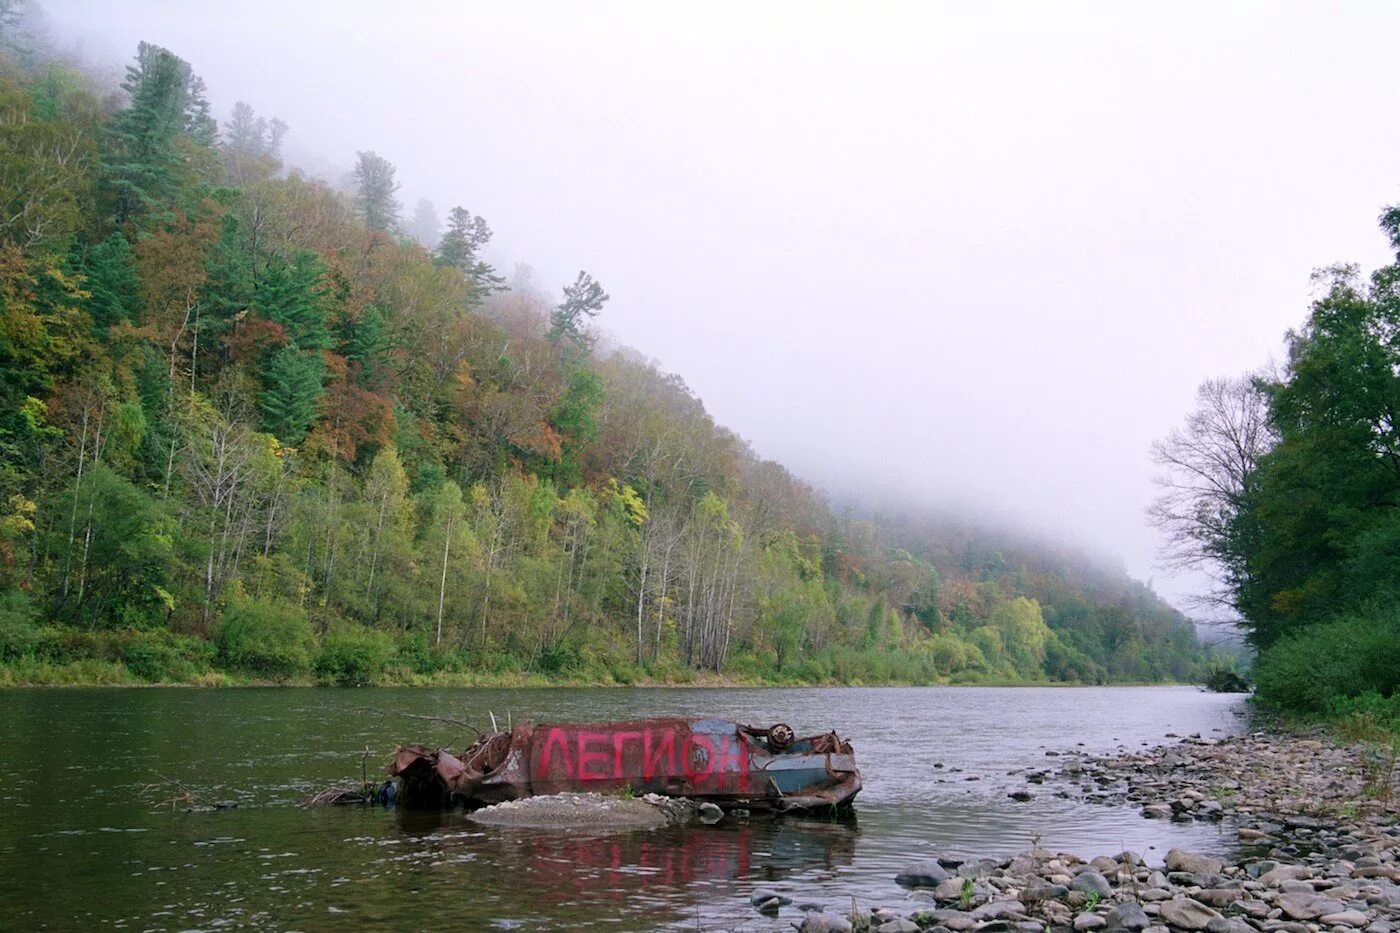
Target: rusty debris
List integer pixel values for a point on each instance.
(724, 762)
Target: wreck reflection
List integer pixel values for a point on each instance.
(565, 869)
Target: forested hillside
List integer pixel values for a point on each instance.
(1286, 484)
(259, 426)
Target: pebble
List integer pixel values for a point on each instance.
(1322, 857)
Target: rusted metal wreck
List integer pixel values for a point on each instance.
(724, 762)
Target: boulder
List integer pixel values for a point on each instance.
(1000, 910)
(1183, 913)
(927, 874)
(1127, 916)
(1091, 882)
(1279, 874)
(1036, 890)
(1350, 917)
(1191, 863)
(898, 925)
(825, 923)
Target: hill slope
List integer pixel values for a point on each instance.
(251, 425)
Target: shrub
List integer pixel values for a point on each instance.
(351, 656)
(163, 656)
(1356, 654)
(1366, 717)
(266, 639)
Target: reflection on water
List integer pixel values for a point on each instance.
(88, 834)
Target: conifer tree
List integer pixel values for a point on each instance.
(582, 302)
(375, 192)
(292, 387)
(290, 293)
(112, 285)
(141, 158)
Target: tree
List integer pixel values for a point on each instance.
(1023, 632)
(386, 493)
(1207, 467)
(425, 226)
(252, 145)
(375, 190)
(576, 419)
(460, 248)
(112, 284)
(292, 293)
(582, 302)
(142, 158)
(292, 387)
(44, 165)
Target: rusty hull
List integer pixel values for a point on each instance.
(724, 762)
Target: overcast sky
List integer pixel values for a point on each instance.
(966, 252)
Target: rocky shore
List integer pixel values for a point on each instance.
(1319, 851)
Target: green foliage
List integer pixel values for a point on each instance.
(1347, 657)
(582, 302)
(266, 639)
(351, 656)
(110, 269)
(291, 292)
(293, 387)
(142, 160)
(1309, 539)
(20, 635)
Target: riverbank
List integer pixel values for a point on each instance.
(91, 672)
(1317, 822)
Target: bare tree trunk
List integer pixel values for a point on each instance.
(442, 583)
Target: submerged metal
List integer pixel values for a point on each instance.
(724, 762)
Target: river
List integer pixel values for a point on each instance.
(90, 837)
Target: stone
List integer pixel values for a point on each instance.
(1021, 796)
(1301, 906)
(1276, 876)
(1157, 811)
(764, 895)
(1000, 910)
(1088, 921)
(1351, 918)
(1127, 916)
(1190, 862)
(1183, 913)
(825, 923)
(1037, 890)
(1218, 897)
(950, 890)
(1228, 925)
(898, 925)
(1091, 882)
(922, 875)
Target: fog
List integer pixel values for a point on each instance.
(960, 255)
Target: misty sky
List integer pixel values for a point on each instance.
(965, 253)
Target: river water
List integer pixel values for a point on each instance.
(89, 836)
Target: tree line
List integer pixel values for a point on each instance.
(1284, 484)
(255, 425)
